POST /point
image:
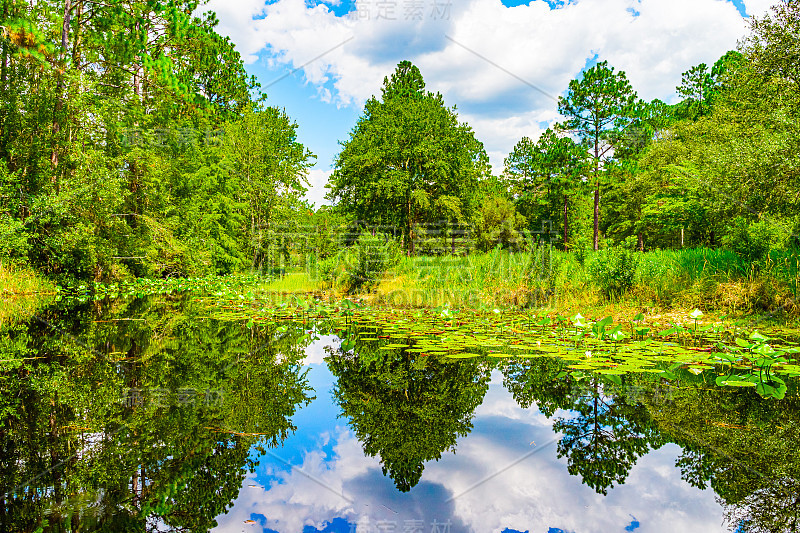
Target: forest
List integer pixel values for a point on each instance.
(133, 144)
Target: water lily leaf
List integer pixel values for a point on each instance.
(612, 378)
(744, 344)
(764, 349)
(607, 321)
(756, 336)
(736, 383)
(617, 335)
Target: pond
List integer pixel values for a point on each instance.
(179, 413)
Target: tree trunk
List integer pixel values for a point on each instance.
(137, 82)
(409, 231)
(596, 243)
(597, 218)
(76, 40)
(641, 241)
(4, 59)
(566, 222)
(681, 236)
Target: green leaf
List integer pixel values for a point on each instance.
(744, 344)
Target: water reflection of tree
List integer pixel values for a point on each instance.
(69, 448)
(733, 441)
(606, 431)
(406, 408)
(742, 446)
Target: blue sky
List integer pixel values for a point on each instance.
(501, 63)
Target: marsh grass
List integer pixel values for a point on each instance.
(665, 279)
(294, 282)
(23, 282)
(22, 293)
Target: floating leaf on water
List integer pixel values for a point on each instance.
(736, 383)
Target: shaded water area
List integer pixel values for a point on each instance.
(181, 414)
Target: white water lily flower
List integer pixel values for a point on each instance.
(588, 353)
(496, 311)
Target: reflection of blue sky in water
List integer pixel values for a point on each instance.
(338, 487)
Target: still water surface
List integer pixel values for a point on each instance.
(151, 415)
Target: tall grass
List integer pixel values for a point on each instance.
(292, 282)
(22, 282)
(706, 278)
(21, 294)
(495, 278)
(710, 279)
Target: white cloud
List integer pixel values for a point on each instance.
(317, 178)
(757, 8)
(315, 352)
(310, 494)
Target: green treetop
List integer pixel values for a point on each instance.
(408, 161)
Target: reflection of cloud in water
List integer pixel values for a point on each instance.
(535, 494)
(315, 352)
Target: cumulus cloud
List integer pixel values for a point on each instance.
(757, 8)
(317, 178)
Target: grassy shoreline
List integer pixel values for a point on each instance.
(662, 283)
(23, 282)
(22, 292)
(718, 282)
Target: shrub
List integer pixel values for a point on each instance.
(613, 270)
(582, 248)
(368, 259)
(328, 270)
(753, 241)
(14, 245)
(499, 224)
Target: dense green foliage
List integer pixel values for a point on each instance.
(133, 142)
